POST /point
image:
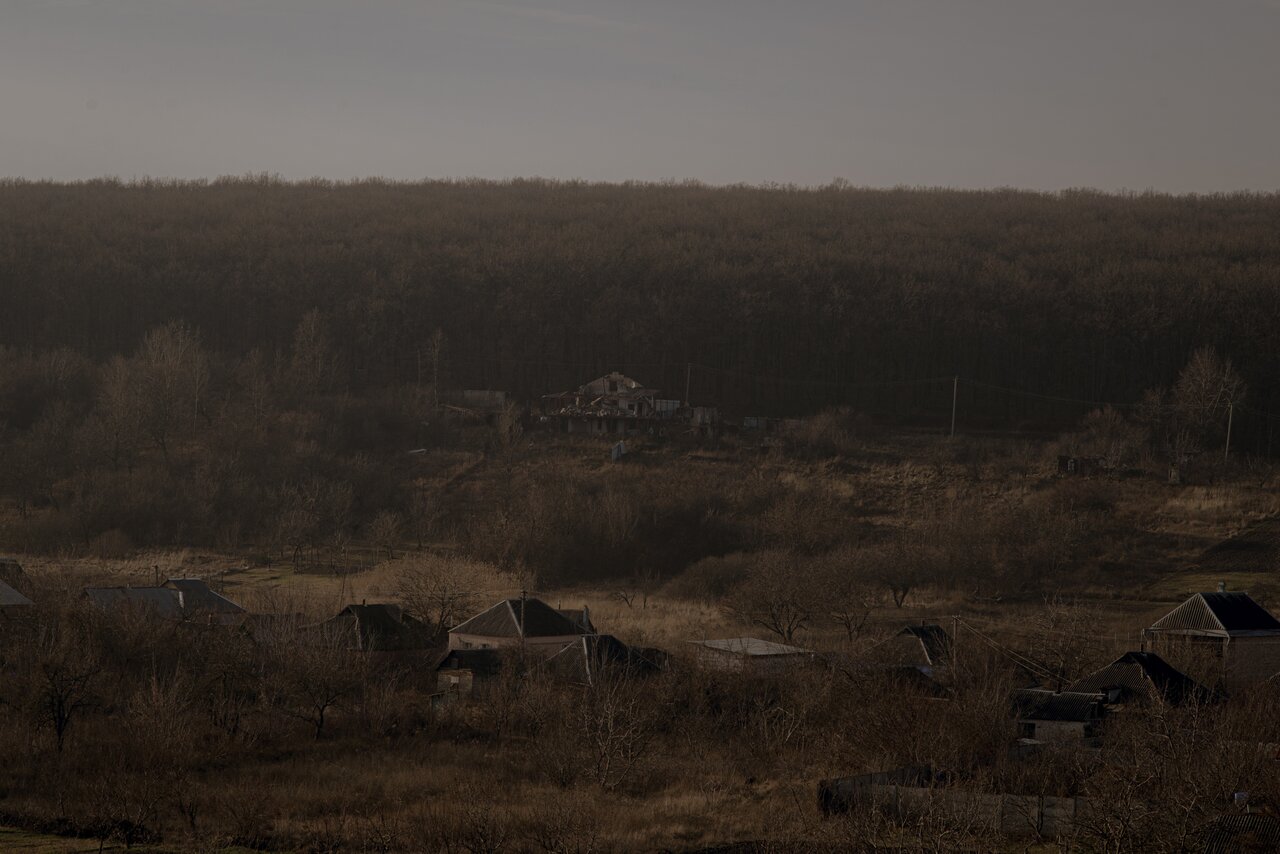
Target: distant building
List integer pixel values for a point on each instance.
(613, 403)
(1223, 638)
(1057, 715)
(749, 655)
(521, 623)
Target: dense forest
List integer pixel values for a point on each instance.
(786, 299)
(247, 361)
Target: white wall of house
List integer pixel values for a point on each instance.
(543, 646)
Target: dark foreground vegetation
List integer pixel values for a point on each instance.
(133, 730)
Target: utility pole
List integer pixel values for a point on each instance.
(1231, 414)
(955, 393)
(688, 375)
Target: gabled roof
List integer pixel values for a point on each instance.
(10, 598)
(752, 647)
(383, 627)
(161, 601)
(1034, 704)
(198, 596)
(585, 658)
(514, 618)
(1138, 676)
(916, 646)
(1221, 614)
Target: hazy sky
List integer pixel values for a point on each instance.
(1165, 94)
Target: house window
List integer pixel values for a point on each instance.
(1026, 729)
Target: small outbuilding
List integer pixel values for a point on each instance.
(1057, 715)
(750, 655)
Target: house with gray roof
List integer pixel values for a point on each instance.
(749, 655)
(1222, 638)
(524, 623)
(178, 599)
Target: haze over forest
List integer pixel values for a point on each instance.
(1174, 95)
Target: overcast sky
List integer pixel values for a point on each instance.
(1173, 95)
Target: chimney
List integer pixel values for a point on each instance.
(1222, 587)
(586, 616)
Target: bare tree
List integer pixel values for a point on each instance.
(384, 531)
(445, 590)
(779, 595)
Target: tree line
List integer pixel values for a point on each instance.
(791, 298)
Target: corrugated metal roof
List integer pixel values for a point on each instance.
(10, 598)
(1222, 614)
(504, 620)
(1141, 675)
(751, 647)
(1246, 832)
(1033, 704)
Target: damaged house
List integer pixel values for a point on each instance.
(611, 404)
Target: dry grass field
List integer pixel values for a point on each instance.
(721, 763)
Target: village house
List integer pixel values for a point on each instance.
(379, 628)
(526, 623)
(613, 403)
(749, 655)
(179, 599)
(1057, 715)
(1223, 638)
